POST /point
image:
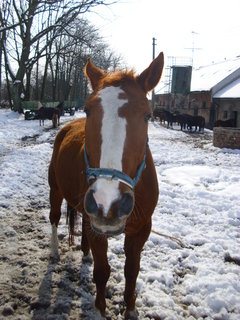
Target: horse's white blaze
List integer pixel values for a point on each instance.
(113, 134)
(113, 128)
(106, 191)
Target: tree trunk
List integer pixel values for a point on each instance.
(9, 90)
(27, 92)
(15, 91)
(1, 54)
(43, 90)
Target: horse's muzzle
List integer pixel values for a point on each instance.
(112, 221)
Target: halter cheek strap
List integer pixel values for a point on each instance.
(113, 174)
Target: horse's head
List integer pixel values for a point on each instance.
(115, 142)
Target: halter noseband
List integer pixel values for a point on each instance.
(113, 174)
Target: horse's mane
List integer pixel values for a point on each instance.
(117, 78)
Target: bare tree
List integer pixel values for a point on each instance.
(67, 57)
(26, 42)
(4, 15)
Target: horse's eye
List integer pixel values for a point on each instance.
(87, 111)
(147, 117)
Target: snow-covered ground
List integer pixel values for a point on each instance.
(190, 266)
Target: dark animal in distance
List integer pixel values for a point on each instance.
(53, 114)
(170, 118)
(190, 121)
(225, 123)
(186, 121)
(164, 115)
(199, 121)
(103, 167)
(159, 114)
(55, 120)
(181, 119)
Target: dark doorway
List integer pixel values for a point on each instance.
(212, 117)
(235, 116)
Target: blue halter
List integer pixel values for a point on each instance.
(113, 174)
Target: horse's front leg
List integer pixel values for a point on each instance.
(133, 246)
(55, 214)
(84, 241)
(56, 199)
(101, 271)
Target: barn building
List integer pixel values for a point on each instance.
(211, 91)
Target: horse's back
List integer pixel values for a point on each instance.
(45, 113)
(71, 134)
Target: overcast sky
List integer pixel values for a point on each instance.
(128, 27)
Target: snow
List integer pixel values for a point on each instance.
(17, 81)
(206, 77)
(198, 205)
(230, 91)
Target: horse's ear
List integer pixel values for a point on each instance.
(150, 77)
(93, 73)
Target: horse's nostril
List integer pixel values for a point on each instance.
(90, 203)
(126, 204)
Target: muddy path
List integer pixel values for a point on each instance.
(31, 285)
(34, 287)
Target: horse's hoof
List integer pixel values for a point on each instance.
(87, 258)
(131, 315)
(97, 315)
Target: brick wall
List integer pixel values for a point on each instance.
(226, 138)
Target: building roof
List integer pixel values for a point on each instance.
(232, 90)
(208, 77)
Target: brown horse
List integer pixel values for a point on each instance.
(103, 167)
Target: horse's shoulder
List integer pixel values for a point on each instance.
(72, 133)
(77, 127)
(74, 125)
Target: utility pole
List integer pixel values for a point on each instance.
(153, 93)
